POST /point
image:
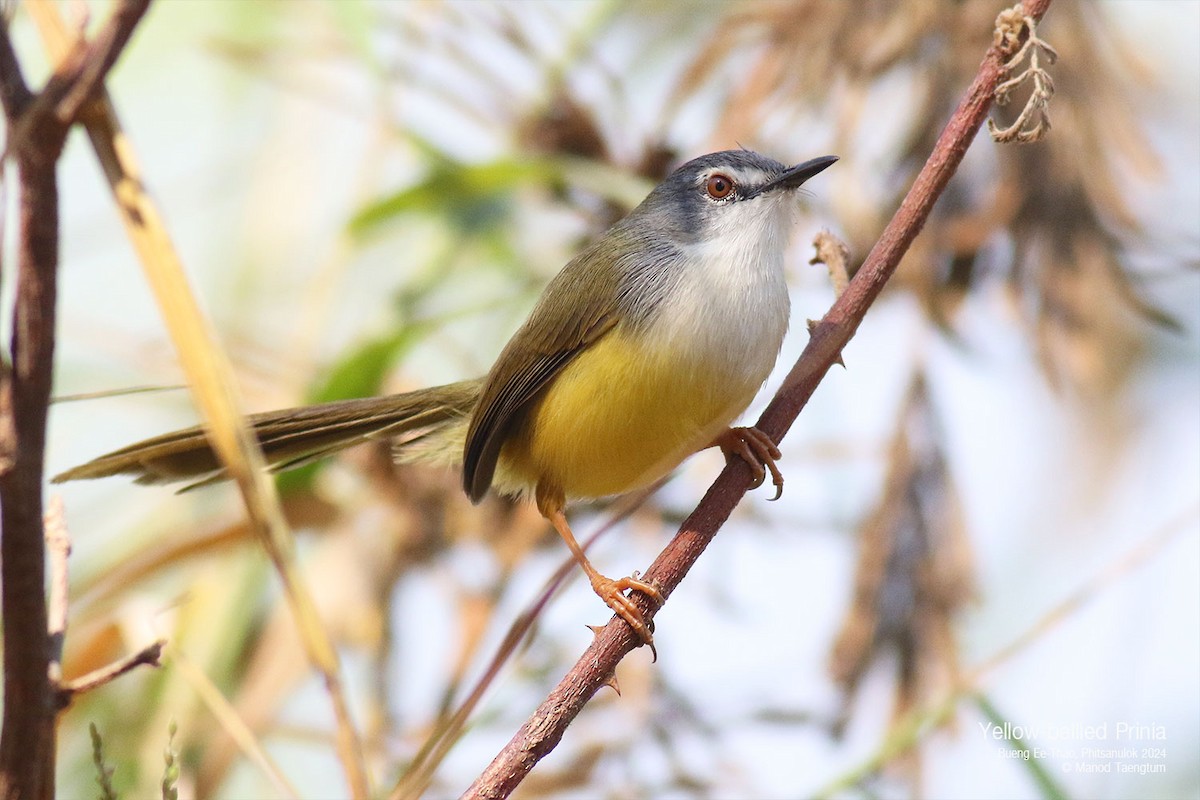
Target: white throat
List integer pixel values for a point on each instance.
(730, 309)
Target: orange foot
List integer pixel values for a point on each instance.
(613, 593)
(756, 449)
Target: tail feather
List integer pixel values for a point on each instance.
(289, 438)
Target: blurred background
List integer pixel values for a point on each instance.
(992, 515)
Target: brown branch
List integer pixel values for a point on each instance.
(14, 92)
(210, 378)
(150, 655)
(35, 136)
(27, 738)
(14, 97)
(543, 730)
(58, 547)
(102, 54)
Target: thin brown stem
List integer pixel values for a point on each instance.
(35, 136)
(210, 378)
(545, 728)
(150, 655)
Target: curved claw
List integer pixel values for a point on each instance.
(550, 502)
(758, 450)
(613, 594)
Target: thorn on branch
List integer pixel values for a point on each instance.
(1033, 122)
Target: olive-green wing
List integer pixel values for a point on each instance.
(289, 438)
(577, 308)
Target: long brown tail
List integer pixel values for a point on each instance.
(290, 437)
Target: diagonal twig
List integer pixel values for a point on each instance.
(150, 655)
(58, 549)
(544, 729)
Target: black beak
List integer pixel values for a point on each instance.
(795, 176)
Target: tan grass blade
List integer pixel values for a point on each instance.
(227, 716)
(211, 379)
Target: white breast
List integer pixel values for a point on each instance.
(729, 312)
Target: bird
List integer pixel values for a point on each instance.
(641, 351)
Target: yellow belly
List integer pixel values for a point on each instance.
(619, 418)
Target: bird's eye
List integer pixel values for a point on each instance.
(719, 186)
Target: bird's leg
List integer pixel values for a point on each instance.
(756, 449)
(551, 502)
